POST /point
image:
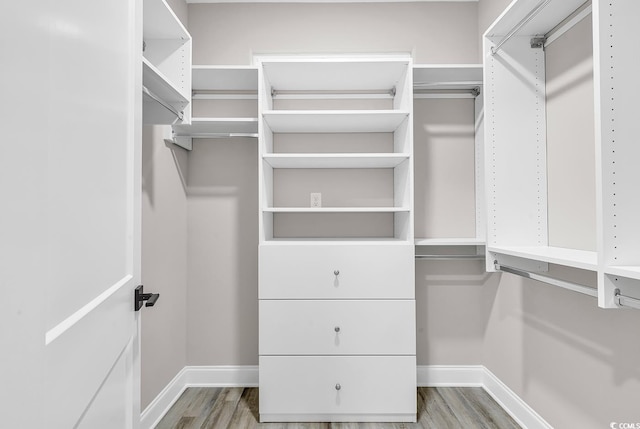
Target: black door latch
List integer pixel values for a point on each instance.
(139, 297)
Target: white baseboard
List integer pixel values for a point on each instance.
(197, 376)
(428, 376)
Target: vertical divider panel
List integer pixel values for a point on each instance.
(479, 167)
(617, 66)
(515, 145)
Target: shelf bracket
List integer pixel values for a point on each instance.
(184, 142)
(538, 42)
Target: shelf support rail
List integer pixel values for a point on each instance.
(626, 301)
(575, 287)
(179, 115)
(534, 12)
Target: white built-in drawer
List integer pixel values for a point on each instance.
(331, 327)
(338, 388)
(332, 271)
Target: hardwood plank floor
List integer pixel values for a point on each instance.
(438, 408)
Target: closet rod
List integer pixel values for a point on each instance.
(555, 282)
(179, 115)
(218, 135)
(448, 257)
(519, 25)
(626, 301)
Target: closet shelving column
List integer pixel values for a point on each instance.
(166, 66)
(450, 224)
(336, 277)
(224, 104)
(516, 141)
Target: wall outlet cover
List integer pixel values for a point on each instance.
(316, 199)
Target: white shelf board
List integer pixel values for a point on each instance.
(335, 209)
(224, 78)
(306, 241)
(158, 84)
(449, 242)
(445, 76)
(550, 16)
(335, 160)
(582, 259)
(337, 74)
(334, 121)
(632, 272)
(160, 22)
(204, 126)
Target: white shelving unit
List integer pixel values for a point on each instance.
(166, 66)
(452, 83)
(516, 141)
(223, 84)
(341, 126)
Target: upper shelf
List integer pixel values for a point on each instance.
(335, 160)
(203, 127)
(582, 259)
(335, 74)
(158, 84)
(548, 17)
(334, 121)
(472, 241)
(447, 76)
(224, 78)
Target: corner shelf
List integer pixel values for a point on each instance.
(224, 78)
(449, 242)
(582, 259)
(447, 77)
(208, 127)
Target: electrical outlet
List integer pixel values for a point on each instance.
(316, 199)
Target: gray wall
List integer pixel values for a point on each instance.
(164, 262)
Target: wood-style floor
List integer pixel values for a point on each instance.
(438, 408)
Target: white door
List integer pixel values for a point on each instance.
(70, 226)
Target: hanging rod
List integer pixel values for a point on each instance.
(555, 282)
(448, 257)
(519, 25)
(179, 115)
(218, 135)
(626, 301)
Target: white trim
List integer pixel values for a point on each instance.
(450, 375)
(70, 321)
(428, 376)
(154, 412)
(519, 410)
(197, 376)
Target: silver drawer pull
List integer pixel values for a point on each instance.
(336, 272)
(338, 387)
(337, 329)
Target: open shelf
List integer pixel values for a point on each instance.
(629, 271)
(334, 121)
(449, 242)
(334, 240)
(550, 16)
(582, 259)
(335, 160)
(201, 127)
(158, 84)
(160, 22)
(335, 74)
(447, 76)
(335, 209)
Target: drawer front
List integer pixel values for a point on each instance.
(336, 271)
(331, 327)
(339, 388)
